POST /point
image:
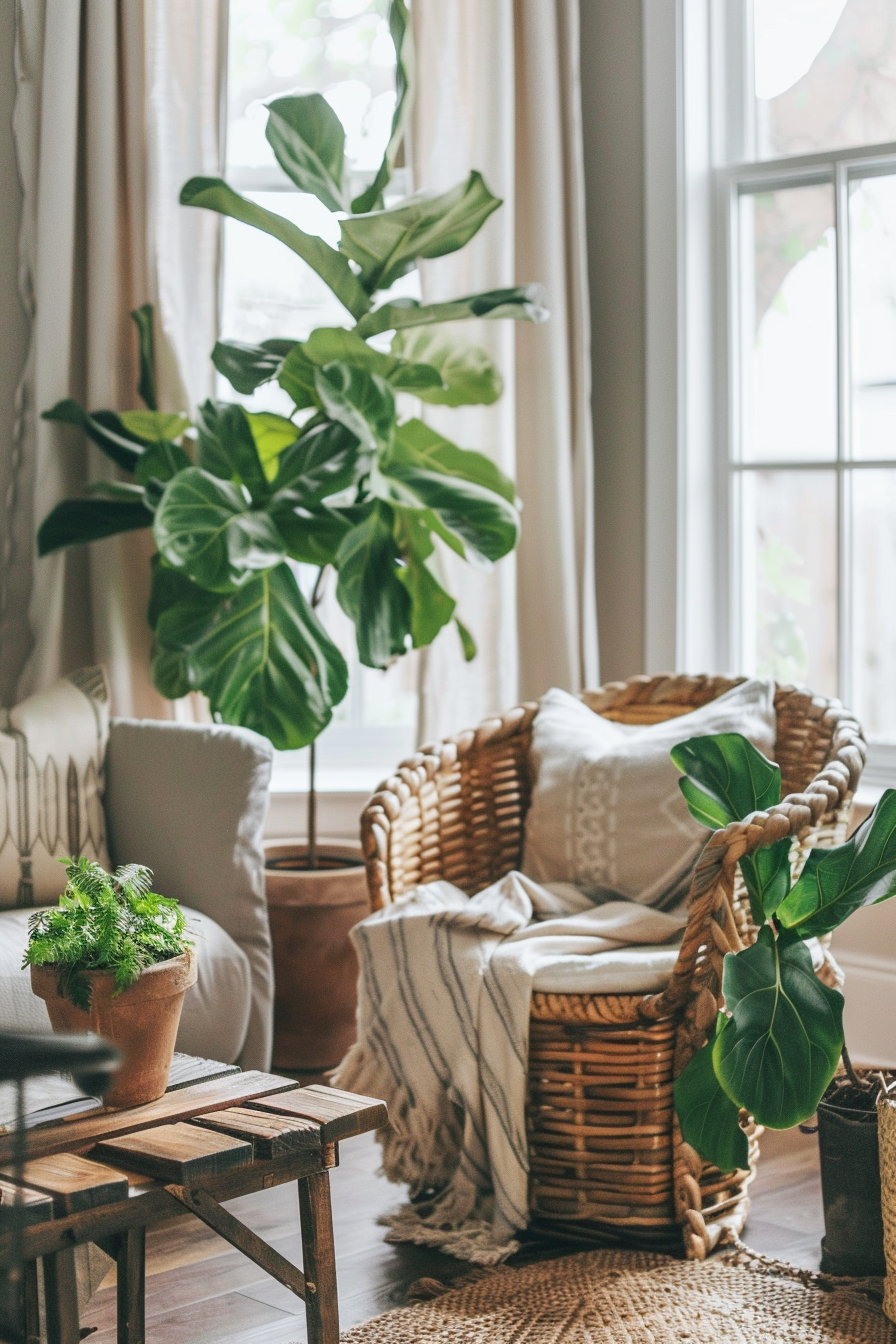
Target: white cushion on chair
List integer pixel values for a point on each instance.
(607, 813)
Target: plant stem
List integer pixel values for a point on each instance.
(312, 810)
(850, 1071)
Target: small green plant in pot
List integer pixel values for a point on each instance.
(114, 958)
(774, 1051)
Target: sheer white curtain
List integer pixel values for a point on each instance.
(498, 90)
(118, 102)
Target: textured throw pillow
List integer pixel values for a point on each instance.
(607, 812)
(52, 760)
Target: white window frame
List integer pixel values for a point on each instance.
(696, 122)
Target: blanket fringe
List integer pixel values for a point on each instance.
(472, 1240)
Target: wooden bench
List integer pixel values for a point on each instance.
(107, 1177)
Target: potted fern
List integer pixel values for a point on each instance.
(348, 485)
(113, 958)
(774, 1051)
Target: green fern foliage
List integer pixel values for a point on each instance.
(104, 922)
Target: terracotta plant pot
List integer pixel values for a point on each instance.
(315, 968)
(141, 1021)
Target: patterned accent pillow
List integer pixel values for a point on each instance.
(607, 813)
(52, 763)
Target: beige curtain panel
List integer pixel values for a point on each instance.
(101, 234)
(499, 91)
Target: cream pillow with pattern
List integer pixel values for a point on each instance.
(607, 813)
(52, 761)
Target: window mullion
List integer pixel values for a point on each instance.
(844, 426)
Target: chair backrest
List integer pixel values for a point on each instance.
(457, 810)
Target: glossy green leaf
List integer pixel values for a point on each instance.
(103, 428)
(76, 521)
(308, 140)
(153, 426)
(121, 490)
(468, 373)
(523, 302)
(726, 778)
(708, 1118)
(296, 377)
(322, 462)
(312, 535)
(211, 193)
(782, 1044)
(260, 655)
(418, 444)
(369, 590)
(767, 875)
(329, 345)
(161, 461)
(146, 384)
(169, 586)
(431, 607)
(387, 243)
(227, 447)
(467, 642)
(247, 367)
(360, 401)
(272, 434)
(206, 527)
(836, 882)
(400, 30)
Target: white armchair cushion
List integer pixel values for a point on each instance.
(607, 813)
(52, 752)
(216, 1010)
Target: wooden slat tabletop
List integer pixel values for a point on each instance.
(74, 1183)
(177, 1153)
(341, 1115)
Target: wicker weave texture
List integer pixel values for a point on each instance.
(601, 1067)
(886, 1113)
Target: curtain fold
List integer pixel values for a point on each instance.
(498, 90)
(109, 93)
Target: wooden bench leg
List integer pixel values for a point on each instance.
(61, 1298)
(321, 1303)
(130, 1261)
(31, 1303)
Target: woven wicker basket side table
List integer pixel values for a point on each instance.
(607, 1160)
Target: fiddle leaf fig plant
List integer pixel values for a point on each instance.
(349, 482)
(777, 1044)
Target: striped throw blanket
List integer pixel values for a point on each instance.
(443, 1028)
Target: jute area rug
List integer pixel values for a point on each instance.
(635, 1297)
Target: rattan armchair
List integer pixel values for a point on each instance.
(606, 1157)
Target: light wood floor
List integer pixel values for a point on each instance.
(200, 1291)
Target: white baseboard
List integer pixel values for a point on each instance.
(869, 1017)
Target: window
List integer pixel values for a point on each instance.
(342, 49)
(810, 224)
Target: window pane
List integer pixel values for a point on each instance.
(873, 585)
(788, 325)
(872, 242)
(824, 74)
(789, 567)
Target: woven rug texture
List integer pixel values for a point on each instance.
(634, 1297)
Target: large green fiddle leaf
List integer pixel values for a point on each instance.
(104, 428)
(211, 193)
(161, 461)
(227, 447)
(247, 367)
(431, 607)
(76, 521)
(781, 1046)
(417, 443)
(835, 882)
(296, 377)
(709, 1119)
(400, 30)
(260, 655)
(360, 401)
(308, 140)
(369, 589)
(323, 461)
(523, 302)
(146, 381)
(387, 243)
(206, 527)
(312, 535)
(469, 376)
(272, 435)
(154, 426)
(329, 345)
(120, 490)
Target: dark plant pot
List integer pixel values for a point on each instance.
(853, 1243)
(315, 969)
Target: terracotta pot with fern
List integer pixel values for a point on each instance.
(113, 958)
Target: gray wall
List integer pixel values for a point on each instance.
(614, 182)
(13, 328)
